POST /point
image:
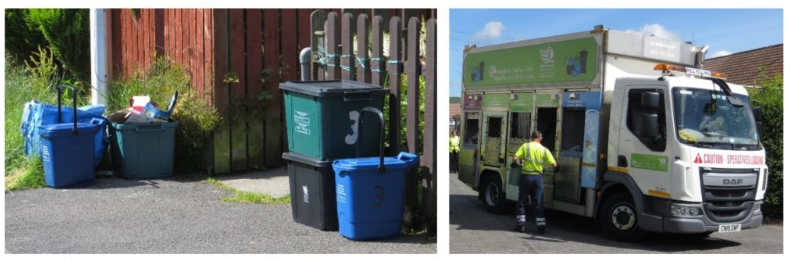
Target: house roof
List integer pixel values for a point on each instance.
(744, 67)
(455, 109)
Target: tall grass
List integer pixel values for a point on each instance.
(36, 79)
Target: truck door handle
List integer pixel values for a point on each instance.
(622, 161)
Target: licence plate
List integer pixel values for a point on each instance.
(730, 228)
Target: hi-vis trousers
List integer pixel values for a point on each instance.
(530, 184)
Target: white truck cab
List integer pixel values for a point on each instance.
(688, 149)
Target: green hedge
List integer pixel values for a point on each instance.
(68, 33)
(770, 98)
(22, 39)
(65, 31)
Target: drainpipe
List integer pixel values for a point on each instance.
(100, 45)
(305, 61)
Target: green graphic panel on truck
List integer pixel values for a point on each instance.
(522, 103)
(495, 100)
(554, 62)
(650, 162)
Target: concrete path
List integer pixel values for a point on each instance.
(274, 182)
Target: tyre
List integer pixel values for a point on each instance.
(493, 199)
(619, 218)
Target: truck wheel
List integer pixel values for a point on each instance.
(619, 218)
(493, 198)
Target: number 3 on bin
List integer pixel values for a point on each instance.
(351, 138)
(379, 193)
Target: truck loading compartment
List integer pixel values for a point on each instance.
(546, 123)
(568, 186)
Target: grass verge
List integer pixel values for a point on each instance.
(30, 177)
(248, 197)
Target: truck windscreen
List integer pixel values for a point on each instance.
(705, 118)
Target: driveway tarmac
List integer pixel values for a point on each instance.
(172, 215)
(474, 230)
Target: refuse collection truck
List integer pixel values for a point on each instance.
(645, 140)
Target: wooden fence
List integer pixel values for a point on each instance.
(334, 60)
(260, 46)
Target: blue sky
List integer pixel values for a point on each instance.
(726, 31)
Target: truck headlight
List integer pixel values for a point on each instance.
(765, 178)
(684, 211)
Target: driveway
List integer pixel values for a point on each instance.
(473, 230)
(174, 215)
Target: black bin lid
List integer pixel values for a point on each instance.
(291, 156)
(332, 88)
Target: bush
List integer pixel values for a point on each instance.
(21, 39)
(67, 31)
(197, 119)
(770, 98)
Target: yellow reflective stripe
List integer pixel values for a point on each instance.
(588, 164)
(617, 169)
(527, 155)
(659, 193)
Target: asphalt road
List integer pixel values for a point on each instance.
(168, 216)
(473, 230)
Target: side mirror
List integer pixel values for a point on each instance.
(650, 100)
(648, 128)
(759, 126)
(757, 112)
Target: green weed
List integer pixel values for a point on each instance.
(248, 197)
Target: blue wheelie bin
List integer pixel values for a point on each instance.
(67, 149)
(369, 192)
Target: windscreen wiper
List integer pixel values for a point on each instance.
(732, 99)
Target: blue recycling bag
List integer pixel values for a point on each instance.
(39, 114)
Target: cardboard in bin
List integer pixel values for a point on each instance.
(138, 103)
(143, 111)
(154, 112)
(129, 116)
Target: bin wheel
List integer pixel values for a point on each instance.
(619, 218)
(493, 199)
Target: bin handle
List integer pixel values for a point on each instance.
(381, 133)
(74, 131)
(357, 96)
(150, 128)
(96, 121)
(407, 157)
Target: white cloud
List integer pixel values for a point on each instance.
(720, 53)
(491, 30)
(658, 31)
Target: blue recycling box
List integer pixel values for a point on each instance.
(68, 156)
(370, 200)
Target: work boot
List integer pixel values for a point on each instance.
(541, 230)
(519, 228)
